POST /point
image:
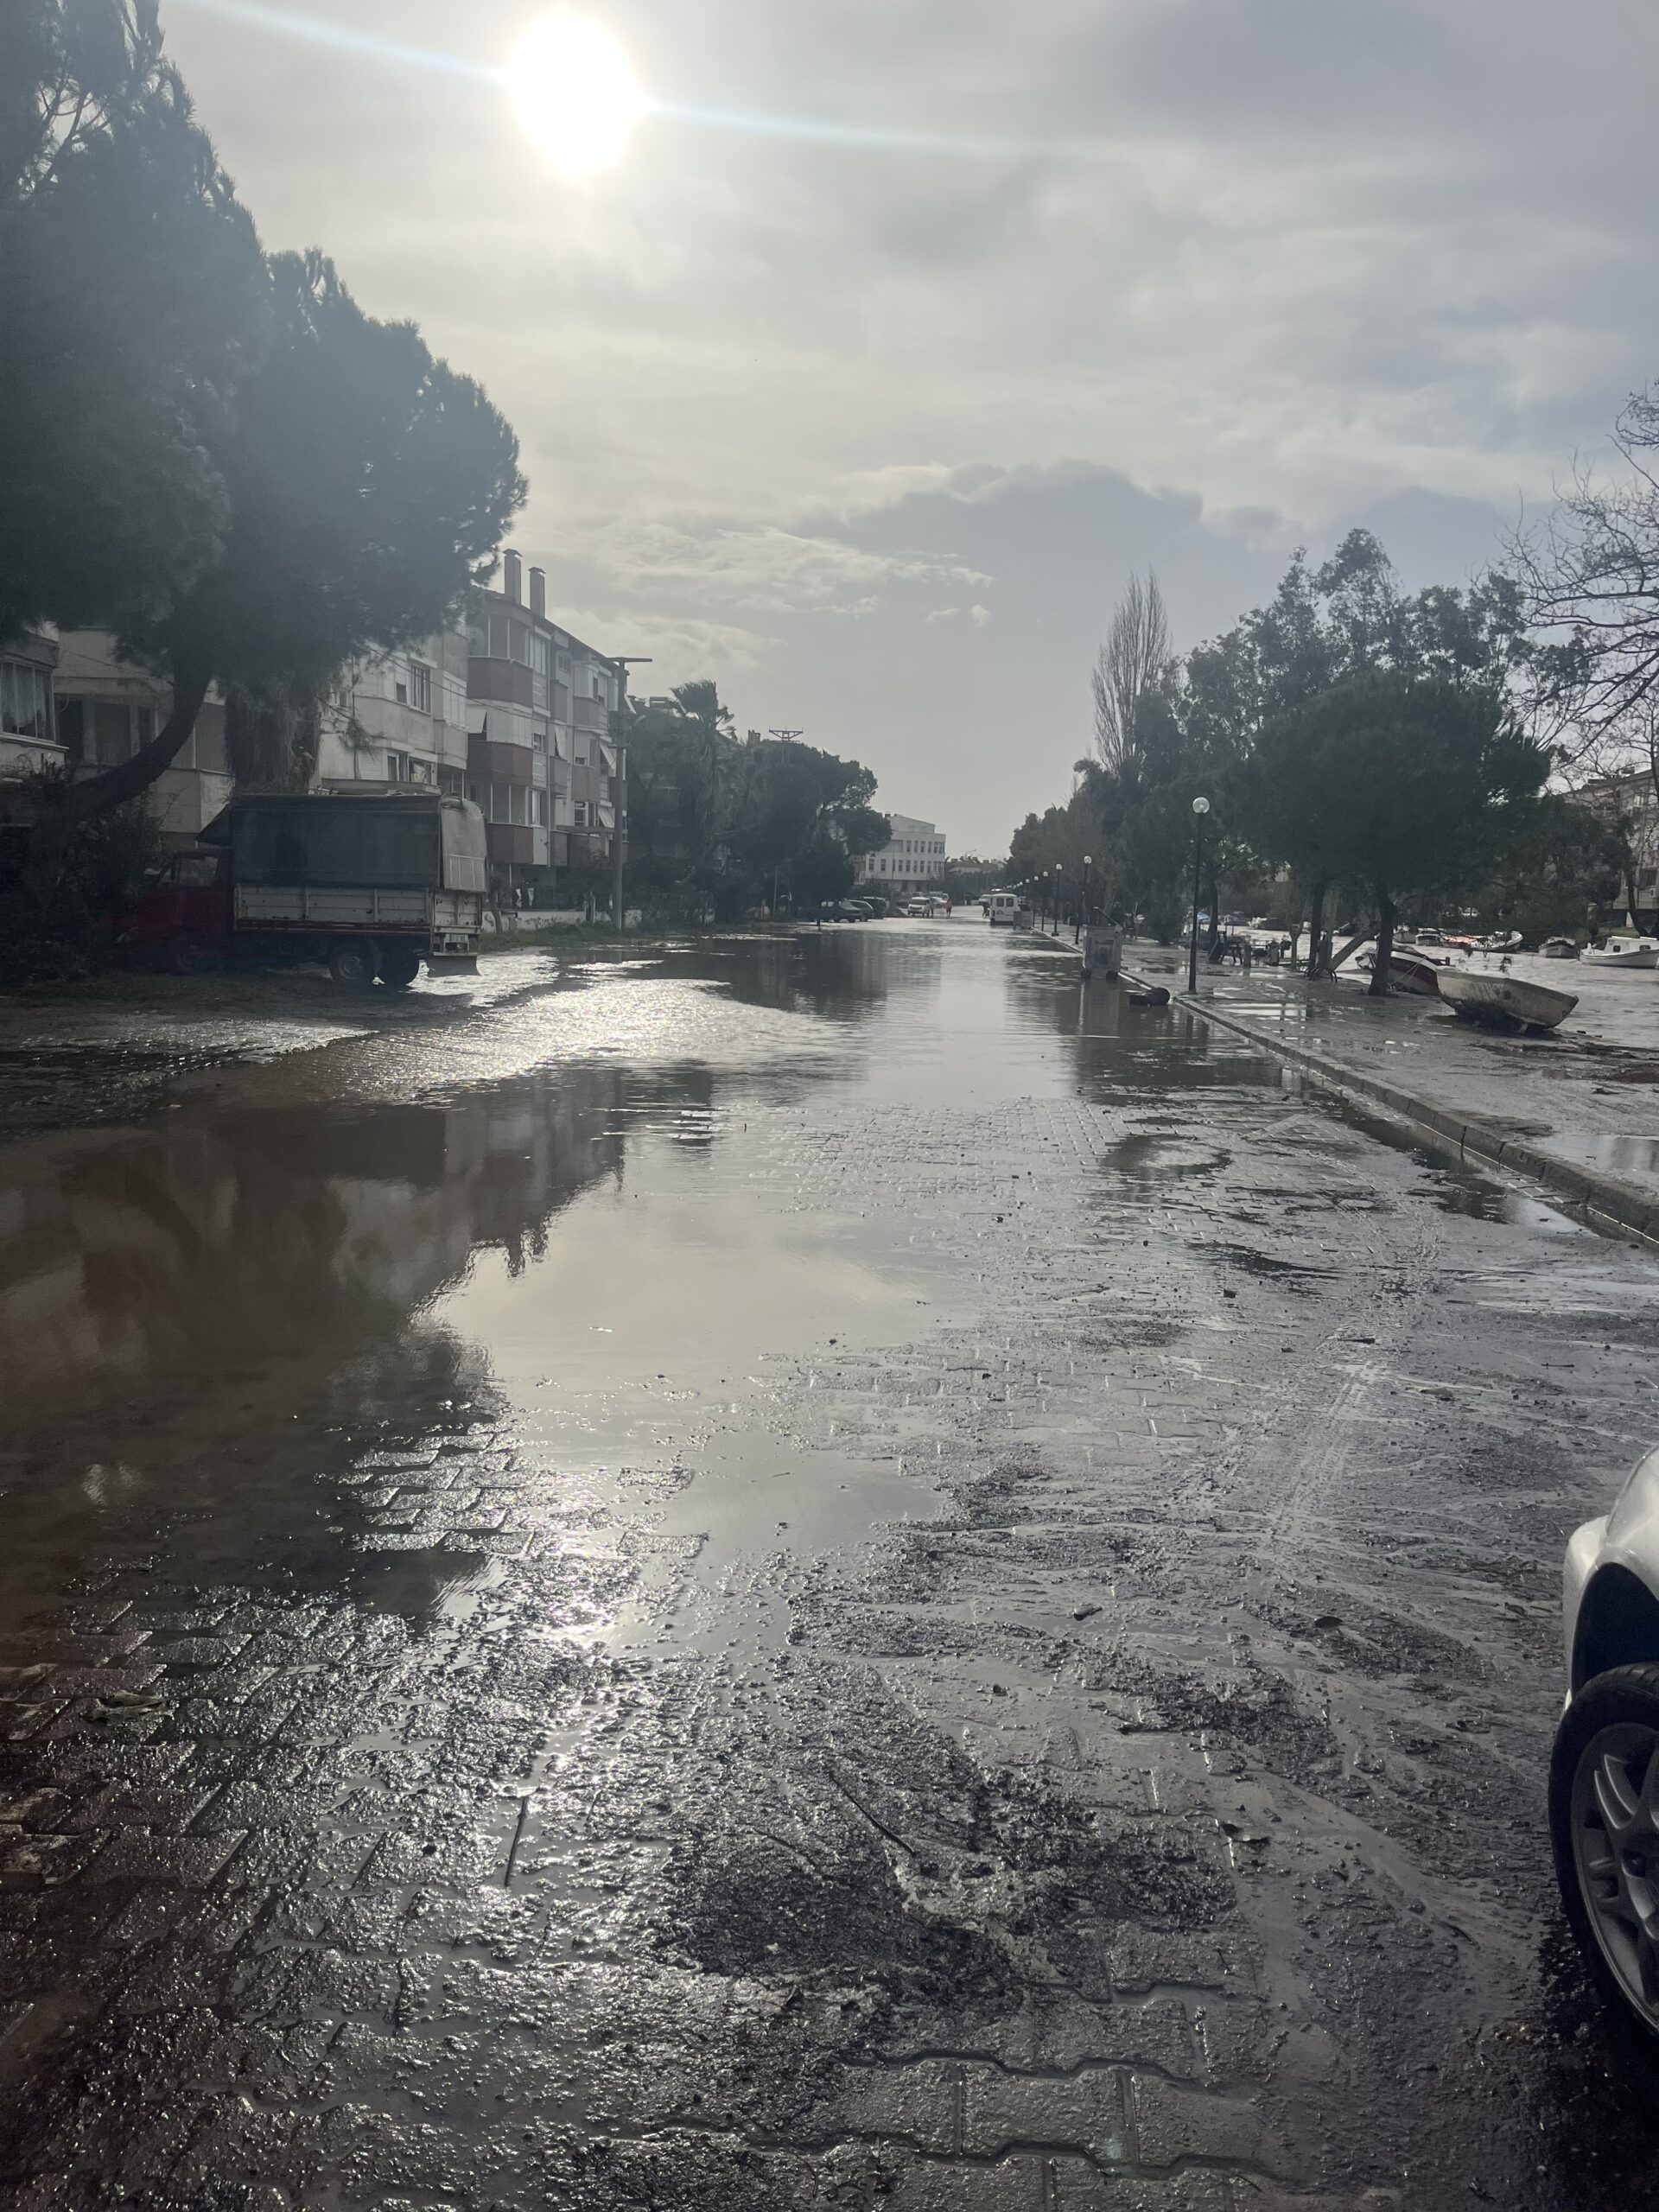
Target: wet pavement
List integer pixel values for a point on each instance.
(1587, 1094)
(814, 1572)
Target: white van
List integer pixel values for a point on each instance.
(1001, 906)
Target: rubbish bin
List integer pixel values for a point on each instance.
(1102, 950)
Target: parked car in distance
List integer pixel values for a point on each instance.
(1604, 1775)
(856, 910)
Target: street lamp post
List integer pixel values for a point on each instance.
(1082, 902)
(1200, 808)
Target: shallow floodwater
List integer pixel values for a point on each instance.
(766, 1552)
(584, 1206)
(584, 1203)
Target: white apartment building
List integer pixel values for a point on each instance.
(29, 724)
(911, 862)
(107, 708)
(543, 761)
(399, 717)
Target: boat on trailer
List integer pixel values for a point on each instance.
(1504, 1001)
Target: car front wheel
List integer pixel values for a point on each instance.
(1604, 1818)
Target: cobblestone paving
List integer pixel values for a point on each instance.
(1052, 1714)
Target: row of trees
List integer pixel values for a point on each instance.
(722, 824)
(1354, 738)
(211, 451)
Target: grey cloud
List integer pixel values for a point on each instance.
(1298, 262)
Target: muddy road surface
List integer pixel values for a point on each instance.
(817, 1573)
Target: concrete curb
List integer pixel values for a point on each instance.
(1604, 1202)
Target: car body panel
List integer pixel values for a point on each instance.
(1627, 1537)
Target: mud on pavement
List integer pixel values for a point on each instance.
(806, 1574)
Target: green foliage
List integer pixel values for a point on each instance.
(219, 457)
(63, 927)
(369, 486)
(135, 301)
(1393, 782)
(725, 819)
(1327, 630)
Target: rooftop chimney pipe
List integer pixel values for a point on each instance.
(538, 591)
(512, 577)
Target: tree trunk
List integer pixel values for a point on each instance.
(84, 801)
(1316, 929)
(1385, 916)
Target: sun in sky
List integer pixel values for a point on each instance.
(574, 91)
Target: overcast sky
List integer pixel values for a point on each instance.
(873, 433)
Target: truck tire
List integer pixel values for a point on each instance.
(353, 961)
(188, 955)
(399, 965)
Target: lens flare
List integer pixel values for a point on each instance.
(574, 92)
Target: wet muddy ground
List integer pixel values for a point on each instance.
(814, 1573)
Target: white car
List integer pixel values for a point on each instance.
(1604, 1776)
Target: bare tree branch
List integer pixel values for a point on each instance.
(1135, 661)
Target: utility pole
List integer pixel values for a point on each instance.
(1200, 808)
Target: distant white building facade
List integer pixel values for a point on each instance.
(399, 717)
(911, 862)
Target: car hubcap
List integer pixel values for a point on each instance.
(1616, 1851)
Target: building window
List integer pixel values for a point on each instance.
(420, 687)
(509, 639)
(25, 701)
(540, 649)
(396, 767)
(538, 739)
(480, 795)
(581, 750)
(516, 796)
(538, 806)
(580, 811)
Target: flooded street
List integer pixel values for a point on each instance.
(803, 1572)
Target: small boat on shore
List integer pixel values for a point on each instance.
(1504, 1001)
(1624, 952)
(1408, 970)
(1559, 948)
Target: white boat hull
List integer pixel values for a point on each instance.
(1504, 1001)
(1637, 956)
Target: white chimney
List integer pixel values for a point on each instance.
(512, 577)
(538, 591)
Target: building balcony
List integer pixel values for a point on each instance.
(505, 680)
(489, 758)
(513, 844)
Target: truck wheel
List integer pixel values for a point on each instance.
(351, 963)
(399, 966)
